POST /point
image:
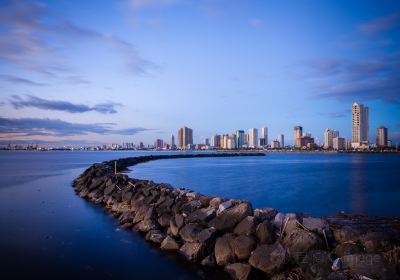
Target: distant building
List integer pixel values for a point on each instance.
(172, 141)
(240, 141)
(338, 143)
(215, 141)
(275, 144)
(253, 138)
(282, 140)
(264, 135)
(141, 146)
(381, 136)
(360, 125)
(306, 141)
(329, 134)
(159, 144)
(230, 142)
(347, 144)
(261, 142)
(389, 143)
(185, 137)
(207, 142)
(246, 139)
(298, 133)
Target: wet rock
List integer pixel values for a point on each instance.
(348, 248)
(215, 202)
(265, 232)
(317, 225)
(155, 236)
(190, 231)
(246, 227)
(141, 213)
(201, 216)
(170, 244)
(301, 241)
(238, 271)
(192, 251)
(229, 218)
(84, 193)
(266, 213)
(243, 246)
(209, 261)
(269, 258)
(223, 206)
(316, 265)
(223, 250)
(146, 225)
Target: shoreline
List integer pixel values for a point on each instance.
(247, 243)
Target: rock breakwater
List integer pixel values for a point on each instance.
(246, 243)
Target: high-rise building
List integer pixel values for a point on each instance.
(230, 142)
(240, 141)
(329, 134)
(282, 140)
(338, 143)
(185, 137)
(264, 135)
(382, 136)
(207, 142)
(275, 144)
(159, 144)
(298, 132)
(215, 141)
(253, 138)
(360, 126)
(261, 142)
(172, 141)
(246, 139)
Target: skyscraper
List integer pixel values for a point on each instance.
(329, 134)
(298, 132)
(360, 126)
(282, 140)
(381, 136)
(239, 139)
(264, 135)
(215, 141)
(185, 137)
(172, 141)
(253, 137)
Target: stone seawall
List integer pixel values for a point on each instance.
(246, 243)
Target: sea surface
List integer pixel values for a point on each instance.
(47, 232)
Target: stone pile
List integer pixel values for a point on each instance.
(247, 243)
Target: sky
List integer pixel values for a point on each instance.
(137, 70)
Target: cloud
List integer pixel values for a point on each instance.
(356, 79)
(146, 4)
(58, 105)
(33, 38)
(19, 80)
(59, 128)
(256, 23)
(381, 25)
(336, 115)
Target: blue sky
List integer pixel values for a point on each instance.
(137, 70)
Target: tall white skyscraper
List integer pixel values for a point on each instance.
(282, 140)
(360, 126)
(253, 138)
(264, 135)
(329, 134)
(172, 141)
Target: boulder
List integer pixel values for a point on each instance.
(126, 217)
(209, 261)
(205, 200)
(278, 220)
(173, 228)
(192, 251)
(246, 227)
(190, 206)
(337, 265)
(170, 244)
(243, 246)
(265, 232)
(262, 214)
(223, 206)
(155, 236)
(108, 190)
(179, 220)
(317, 225)
(164, 219)
(223, 250)
(348, 248)
(207, 236)
(201, 216)
(146, 225)
(141, 213)
(229, 218)
(269, 258)
(215, 202)
(302, 241)
(190, 231)
(316, 265)
(238, 271)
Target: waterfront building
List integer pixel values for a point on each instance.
(207, 142)
(347, 144)
(381, 136)
(275, 144)
(298, 133)
(172, 141)
(253, 138)
(240, 141)
(389, 143)
(329, 134)
(360, 125)
(185, 137)
(141, 145)
(264, 135)
(282, 140)
(159, 144)
(246, 139)
(261, 142)
(338, 143)
(230, 142)
(215, 141)
(306, 141)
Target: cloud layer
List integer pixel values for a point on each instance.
(59, 128)
(58, 105)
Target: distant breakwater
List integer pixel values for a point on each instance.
(246, 243)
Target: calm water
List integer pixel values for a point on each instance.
(47, 231)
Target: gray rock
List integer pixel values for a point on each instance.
(126, 217)
(192, 251)
(155, 236)
(278, 220)
(223, 250)
(223, 206)
(301, 241)
(229, 218)
(169, 244)
(317, 225)
(265, 232)
(202, 216)
(215, 202)
(164, 219)
(146, 225)
(190, 231)
(238, 271)
(190, 206)
(207, 236)
(108, 190)
(243, 246)
(246, 227)
(262, 214)
(269, 258)
(337, 264)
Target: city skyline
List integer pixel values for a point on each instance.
(135, 70)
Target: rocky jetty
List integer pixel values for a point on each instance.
(246, 243)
